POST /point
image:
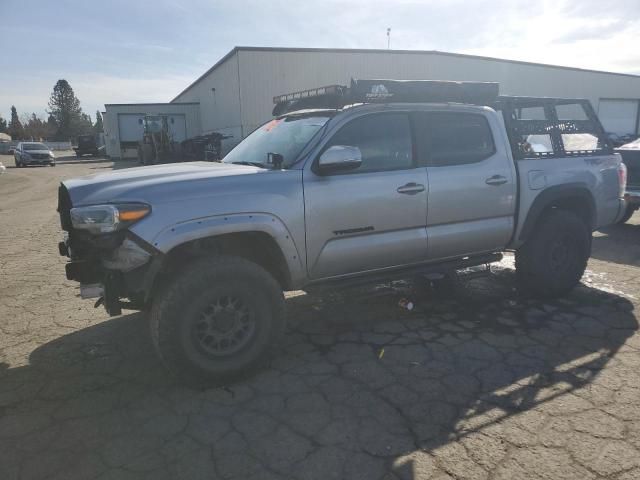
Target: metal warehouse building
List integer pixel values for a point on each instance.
(235, 95)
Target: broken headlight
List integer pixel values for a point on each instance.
(98, 219)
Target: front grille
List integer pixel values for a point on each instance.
(39, 156)
(64, 208)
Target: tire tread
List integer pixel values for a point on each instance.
(169, 301)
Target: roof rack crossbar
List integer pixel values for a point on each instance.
(312, 92)
(387, 91)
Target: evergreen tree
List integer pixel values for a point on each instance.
(64, 106)
(35, 128)
(52, 126)
(84, 125)
(15, 126)
(3, 125)
(98, 127)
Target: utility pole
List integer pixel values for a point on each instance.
(388, 38)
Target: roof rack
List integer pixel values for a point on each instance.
(387, 91)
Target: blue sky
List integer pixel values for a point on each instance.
(116, 51)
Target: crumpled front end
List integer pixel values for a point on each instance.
(115, 267)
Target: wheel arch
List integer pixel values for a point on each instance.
(261, 238)
(574, 197)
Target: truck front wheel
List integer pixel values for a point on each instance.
(553, 260)
(217, 319)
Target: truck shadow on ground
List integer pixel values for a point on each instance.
(618, 243)
(357, 388)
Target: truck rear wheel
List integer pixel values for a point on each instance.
(217, 319)
(553, 260)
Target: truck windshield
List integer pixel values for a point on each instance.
(286, 136)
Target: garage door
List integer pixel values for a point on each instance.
(177, 127)
(130, 127)
(618, 116)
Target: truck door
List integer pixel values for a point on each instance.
(374, 216)
(472, 184)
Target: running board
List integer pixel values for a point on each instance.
(406, 272)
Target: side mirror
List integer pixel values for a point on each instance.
(275, 160)
(339, 158)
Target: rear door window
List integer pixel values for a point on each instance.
(446, 138)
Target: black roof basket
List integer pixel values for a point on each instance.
(388, 91)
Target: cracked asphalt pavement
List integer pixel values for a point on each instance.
(478, 384)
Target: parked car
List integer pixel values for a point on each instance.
(346, 185)
(631, 157)
(33, 153)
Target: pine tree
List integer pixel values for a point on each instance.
(84, 125)
(64, 106)
(98, 127)
(35, 128)
(52, 126)
(3, 125)
(15, 126)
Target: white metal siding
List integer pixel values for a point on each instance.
(264, 74)
(219, 108)
(618, 116)
(246, 82)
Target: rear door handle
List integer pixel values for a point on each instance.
(496, 180)
(411, 188)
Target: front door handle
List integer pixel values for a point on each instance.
(411, 188)
(496, 180)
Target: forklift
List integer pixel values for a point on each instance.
(157, 145)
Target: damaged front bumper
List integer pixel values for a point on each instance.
(116, 268)
(119, 278)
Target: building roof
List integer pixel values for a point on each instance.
(148, 104)
(5, 137)
(365, 50)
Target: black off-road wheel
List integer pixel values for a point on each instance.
(628, 213)
(217, 320)
(552, 261)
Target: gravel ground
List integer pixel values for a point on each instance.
(482, 384)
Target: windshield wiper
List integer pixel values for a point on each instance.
(251, 164)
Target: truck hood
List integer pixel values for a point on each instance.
(151, 183)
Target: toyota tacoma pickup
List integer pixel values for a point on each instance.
(373, 181)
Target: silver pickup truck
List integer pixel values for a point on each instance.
(377, 180)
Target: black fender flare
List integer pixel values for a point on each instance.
(552, 195)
